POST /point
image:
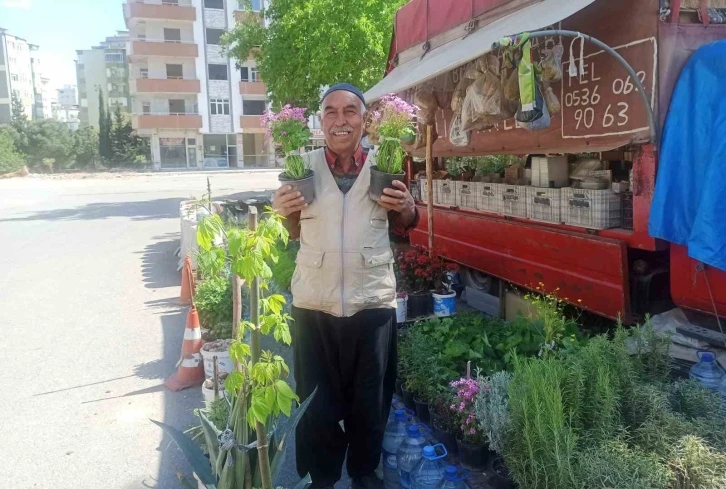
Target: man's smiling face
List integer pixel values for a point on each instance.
(342, 121)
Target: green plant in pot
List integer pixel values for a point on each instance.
(471, 440)
(422, 351)
(289, 129)
(491, 408)
(213, 299)
(394, 119)
(421, 274)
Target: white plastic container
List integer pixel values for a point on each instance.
(224, 363)
(466, 194)
(514, 200)
(592, 209)
(489, 197)
(208, 391)
(544, 204)
(444, 304)
(401, 309)
(445, 192)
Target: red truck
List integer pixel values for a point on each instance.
(613, 272)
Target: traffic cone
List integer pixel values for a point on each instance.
(190, 367)
(187, 283)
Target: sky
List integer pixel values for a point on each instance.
(60, 27)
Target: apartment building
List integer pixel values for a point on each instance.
(200, 109)
(67, 96)
(103, 68)
(21, 74)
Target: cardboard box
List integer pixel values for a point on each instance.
(515, 304)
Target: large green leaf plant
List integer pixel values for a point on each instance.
(249, 452)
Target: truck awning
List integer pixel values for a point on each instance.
(454, 48)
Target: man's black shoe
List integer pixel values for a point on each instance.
(370, 481)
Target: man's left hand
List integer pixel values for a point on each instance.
(398, 199)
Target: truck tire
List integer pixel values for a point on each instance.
(476, 279)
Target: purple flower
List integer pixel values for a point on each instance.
(472, 432)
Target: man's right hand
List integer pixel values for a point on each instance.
(287, 202)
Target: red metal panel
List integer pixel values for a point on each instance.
(446, 15)
(411, 24)
(688, 286)
(484, 6)
(587, 268)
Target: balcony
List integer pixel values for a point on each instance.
(166, 49)
(159, 10)
(252, 88)
(164, 85)
(251, 124)
(167, 121)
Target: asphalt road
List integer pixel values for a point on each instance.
(90, 327)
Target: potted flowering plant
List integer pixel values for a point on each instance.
(394, 121)
(471, 439)
(421, 274)
(289, 129)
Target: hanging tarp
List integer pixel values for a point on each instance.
(688, 206)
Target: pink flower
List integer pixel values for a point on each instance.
(472, 432)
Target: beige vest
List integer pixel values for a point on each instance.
(345, 263)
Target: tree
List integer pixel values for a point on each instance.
(104, 130)
(49, 139)
(10, 158)
(19, 119)
(126, 146)
(85, 147)
(315, 44)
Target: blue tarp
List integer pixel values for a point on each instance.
(689, 205)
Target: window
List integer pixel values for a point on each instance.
(219, 106)
(256, 5)
(213, 36)
(218, 72)
(172, 35)
(14, 76)
(114, 57)
(144, 72)
(146, 107)
(174, 72)
(249, 74)
(177, 106)
(218, 4)
(253, 107)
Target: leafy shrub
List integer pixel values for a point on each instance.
(283, 270)
(616, 465)
(213, 299)
(492, 409)
(10, 159)
(698, 466)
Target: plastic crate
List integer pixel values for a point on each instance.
(489, 197)
(422, 189)
(445, 192)
(514, 200)
(544, 204)
(592, 209)
(466, 193)
(626, 210)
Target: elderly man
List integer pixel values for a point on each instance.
(344, 299)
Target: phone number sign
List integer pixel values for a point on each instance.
(604, 101)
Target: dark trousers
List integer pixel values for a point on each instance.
(352, 362)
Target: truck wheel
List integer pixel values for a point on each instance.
(476, 279)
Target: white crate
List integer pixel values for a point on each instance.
(445, 192)
(514, 200)
(544, 204)
(422, 189)
(550, 171)
(592, 209)
(466, 194)
(489, 197)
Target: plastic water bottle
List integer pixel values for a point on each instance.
(430, 470)
(707, 371)
(392, 438)
(409, 454)
(454, 478)
(396, 404)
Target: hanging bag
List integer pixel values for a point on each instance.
(531, 100)
(544, 120)
(457, 135)
(551, 63)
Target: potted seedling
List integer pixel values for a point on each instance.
(289, 129)
(471, 439)
(394, 120)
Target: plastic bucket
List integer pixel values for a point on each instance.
(224, 363)
(444, 304)
(401, 309)
(208, 392)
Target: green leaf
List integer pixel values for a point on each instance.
(210, 437)
(193, 454)
(270, 397)
(234, 382)
(239, 351)
(285, 390)
(284, 403)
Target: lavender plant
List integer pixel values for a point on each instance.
(395, 120)
(491, 408)
(289, 128)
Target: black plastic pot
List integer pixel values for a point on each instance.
(473, 457)
(448, 439)
(305, 186)
(500, 477)
(422, 411)
(380, 181)
(399, 384)
(420, 305)
(408, 398)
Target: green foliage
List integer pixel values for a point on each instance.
(48, 140)
(10, 158)
(19, 120)
(606, 415)
(424, 375)
(213, 299)
(283, 270)
(481, 165)
(85, 146)
(492, 409)
(557, 331)
(104, 129)
(125, 146)
(315, 43)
